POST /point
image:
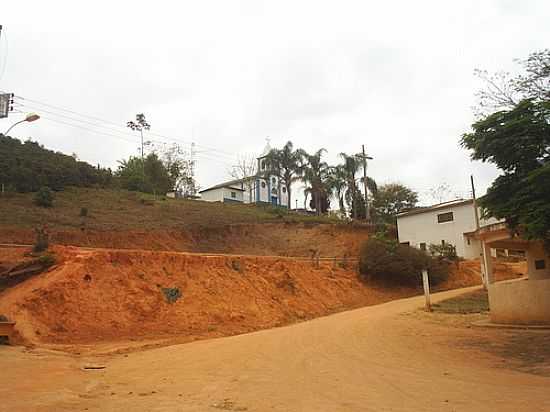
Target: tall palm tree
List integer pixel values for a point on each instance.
(350, 167)
(348, 174)
(286, 164)
(337, 185)
(315, 173)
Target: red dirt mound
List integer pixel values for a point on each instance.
(102, 295)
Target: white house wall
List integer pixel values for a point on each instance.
(214, 195)
(424, 228)
(227, 191)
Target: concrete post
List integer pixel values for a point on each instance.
(488, 264)
(426, 284)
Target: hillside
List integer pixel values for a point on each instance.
(131, 220)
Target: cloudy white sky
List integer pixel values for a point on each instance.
(395, 75)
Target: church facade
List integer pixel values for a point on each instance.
(261, 188)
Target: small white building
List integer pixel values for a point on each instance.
(261, 188)
(225, 192)
(444, 223)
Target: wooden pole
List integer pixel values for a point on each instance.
(426, 284)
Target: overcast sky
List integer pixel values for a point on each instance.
(395, 75)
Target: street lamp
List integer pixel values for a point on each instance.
(31, 117)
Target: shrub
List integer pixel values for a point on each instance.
(388, 261)
(44, 197)
(445, 250)
(42, 241)
(171, 294)
(46, 260)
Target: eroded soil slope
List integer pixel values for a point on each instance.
(109, 295)
(281, 239)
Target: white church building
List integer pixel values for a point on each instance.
(259, 188)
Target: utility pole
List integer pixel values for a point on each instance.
(365, 157)
(476, 212)
(484, 258)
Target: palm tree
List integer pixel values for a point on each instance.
(337, 185)
(315, 173)
(286, 164)
(350, 167)
(348, 182)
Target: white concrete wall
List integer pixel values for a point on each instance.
(238, 194)
(536, 252)
(214, 195)
(520, 301)
(424, 228)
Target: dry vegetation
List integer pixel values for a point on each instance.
(122, 210)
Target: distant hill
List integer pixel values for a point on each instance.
(27, 166)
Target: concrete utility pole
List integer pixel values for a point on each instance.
(484, 275)
(426, 285)
(476, 212)
(365, 157)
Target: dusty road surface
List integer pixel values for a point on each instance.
(379, 358)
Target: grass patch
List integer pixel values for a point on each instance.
(473, 302)
(125, 210)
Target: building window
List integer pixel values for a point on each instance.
(423, 247)
(468, 240)
(234, 195)
(263, 185)
(263, 165)
(540, 264)
(405, 243)
(284, 189)
(442, 243)
(445, 217)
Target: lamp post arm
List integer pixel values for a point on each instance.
(13, 125)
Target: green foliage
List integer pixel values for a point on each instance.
(46, 260)
(42, 241)
(171, 294)
(388, 261)
(287, 165)
(150, 176)
(316, 174)
(392, 199)
(445, 251)
(518, 142)
(25, 167)
(44, 197)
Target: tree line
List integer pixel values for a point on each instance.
(28, 166)
(342, 183)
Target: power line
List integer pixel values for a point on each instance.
(222, 152)
(95, 124)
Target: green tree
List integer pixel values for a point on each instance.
(315, 175)
(337, 185)
(44, 197)
(287, 165)
(391, 199)
(27, 166)
(157, 178)
(517, 141)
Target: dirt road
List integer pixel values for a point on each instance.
(378, 358)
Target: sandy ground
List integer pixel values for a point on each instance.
(378, 358)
